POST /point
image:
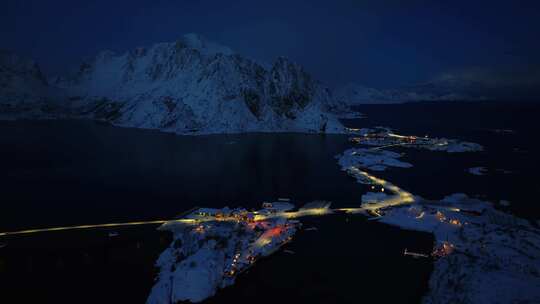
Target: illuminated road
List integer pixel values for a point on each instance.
(399, 197)
(294, 214)
(392, 145)
(84, 227)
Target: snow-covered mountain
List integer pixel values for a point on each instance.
(21, 81)
(354, 94)
(436, 90)
(196, 86)
(450, 87)
(25, 91)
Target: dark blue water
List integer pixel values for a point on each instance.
(82, 172)
(77, 172)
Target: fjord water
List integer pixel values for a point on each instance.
(57, 173)
(81, 172)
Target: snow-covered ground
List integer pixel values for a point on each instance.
(477, 171)
(482, 255)
(385, 137)
(372, 159)
(492, 256)
(212, 246)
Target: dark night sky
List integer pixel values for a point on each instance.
(381, 43)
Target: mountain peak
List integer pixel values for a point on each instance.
(195, 85)
(13, 64)
(21, 80)
(198, 42)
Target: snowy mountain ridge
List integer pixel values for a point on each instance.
(437, 90)
(21, 80)
(194, 86)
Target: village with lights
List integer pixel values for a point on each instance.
(476, 246)
(212, 246)
(383, 137)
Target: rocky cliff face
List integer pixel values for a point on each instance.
(196, 86)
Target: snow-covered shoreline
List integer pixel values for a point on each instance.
(478, 171)
(385, 137)
(375, 160)
(482, 255)
(486, 256)
(212, 246)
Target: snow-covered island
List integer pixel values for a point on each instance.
(212, 246)
(372, 159)
(482, 255)
(477, 171)
(385, 137)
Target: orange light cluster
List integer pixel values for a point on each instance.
(445, 249)
(275, 231)
(440, 216)
(455, 222)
